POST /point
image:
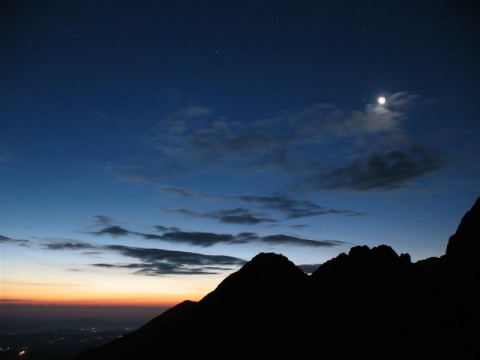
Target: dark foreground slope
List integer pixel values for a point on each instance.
(369, 303)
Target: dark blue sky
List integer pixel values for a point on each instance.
(184, 137)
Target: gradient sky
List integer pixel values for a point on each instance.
(150, 148)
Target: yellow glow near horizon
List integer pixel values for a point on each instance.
(101, 295)
(107, 289)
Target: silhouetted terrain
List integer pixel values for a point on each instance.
(369, 303)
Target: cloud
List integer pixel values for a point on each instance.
(240, 216)
(113, 231)
(195, 138)
(297, 143)
(204, 239)
(150, 269)
(181, 191)
(154, 261)
(228, 216)
(207, 239)
(403, 100)
(7, 240)
(291, 208)
(69, 245)
(294, 209)
(179, 262)
(165, 228)
(157, 261)
(293, 240)
(382, 171)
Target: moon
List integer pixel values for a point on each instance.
(381, 100)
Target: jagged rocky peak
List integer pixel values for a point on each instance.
(380, 262)
(379, 254)
(465, 243)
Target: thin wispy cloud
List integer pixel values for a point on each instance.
(291, 208)
(294, 209)
(155, 261)
(183, 192)
(68, 245)
(207, 239)
(196, 238)
(162, 228)
(293, 240)
(316, 125)
(227, 216)
(7, 240)
(159, 261)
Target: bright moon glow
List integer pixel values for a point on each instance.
(381, 100)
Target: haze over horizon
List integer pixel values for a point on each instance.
(150, 149)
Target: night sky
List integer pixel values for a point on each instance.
(150, 148)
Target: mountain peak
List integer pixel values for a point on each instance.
(465, 243)
(267, 263)
(265, 274)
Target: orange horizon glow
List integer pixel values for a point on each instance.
(98, 302)
(58, 295)
(100, 290)
(101, 299)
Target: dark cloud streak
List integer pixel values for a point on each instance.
(157, 261)
(293, 240)
(207, 239)
(68, 245)
(227, 216)
(293, 209)
(7, 240)
(113, 231)
(382, 171)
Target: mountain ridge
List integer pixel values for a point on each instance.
(369, 303)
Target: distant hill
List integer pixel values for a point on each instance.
(368, 304)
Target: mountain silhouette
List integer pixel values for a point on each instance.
(368, 304)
